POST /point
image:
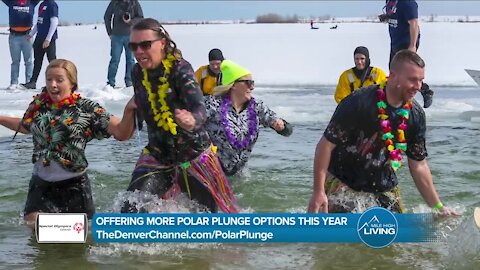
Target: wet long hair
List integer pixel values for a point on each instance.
(154, 25)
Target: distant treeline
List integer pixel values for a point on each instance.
(276, 18)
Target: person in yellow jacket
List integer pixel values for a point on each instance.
(359, 76)
(210, 75)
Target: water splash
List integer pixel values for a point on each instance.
(357, 202)
(464, 243)
(153, 204)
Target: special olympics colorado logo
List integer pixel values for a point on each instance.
(377, 227)
(78, 227)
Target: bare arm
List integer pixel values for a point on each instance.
(423, 180)
(323, 153)
(123, 129)
(414, 30)
(13, 123)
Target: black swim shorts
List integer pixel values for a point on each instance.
(73, 195)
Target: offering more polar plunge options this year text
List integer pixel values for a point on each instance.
(220, 221)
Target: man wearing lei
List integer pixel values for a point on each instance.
(234, 118)
(179, 156)
(362, 147)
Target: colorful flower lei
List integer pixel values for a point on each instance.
(43, 99)
(252, 123)
(395, 150)
(162, 116)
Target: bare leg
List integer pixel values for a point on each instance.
(30, 219)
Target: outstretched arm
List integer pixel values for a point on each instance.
(13, 123)
(123, 129)
(323, 153)
(282, 127)
(423, 180)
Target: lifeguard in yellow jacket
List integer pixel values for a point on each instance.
(210, 75)
(359, 76)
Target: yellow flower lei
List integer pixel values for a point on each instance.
(162, 116)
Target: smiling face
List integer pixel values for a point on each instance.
(59, 86)
(242, 88)
(147, 47)
(360, 61)
(215, 66)
(407, 80)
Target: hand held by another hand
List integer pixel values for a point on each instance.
(131, 105)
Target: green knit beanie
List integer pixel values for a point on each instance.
(231, 72)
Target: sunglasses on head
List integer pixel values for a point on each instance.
(144, 45)
(249, 83)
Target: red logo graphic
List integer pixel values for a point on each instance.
(78, 227)
(41, 8)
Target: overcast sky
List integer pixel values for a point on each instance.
(92, 11)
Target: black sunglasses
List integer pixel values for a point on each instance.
(249, 83)
(144, 45)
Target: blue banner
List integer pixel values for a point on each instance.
(377, 228)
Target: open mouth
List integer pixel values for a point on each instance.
(143, 60)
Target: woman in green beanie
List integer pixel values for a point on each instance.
(234, 117)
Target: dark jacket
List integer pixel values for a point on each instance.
(115, 12)
(20, 13)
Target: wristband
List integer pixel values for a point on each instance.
(438, 206)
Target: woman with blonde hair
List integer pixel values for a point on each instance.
(62, 123)
(234, 117)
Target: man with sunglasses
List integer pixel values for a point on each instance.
(234, 118)
(209, 76)
(119, 17)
